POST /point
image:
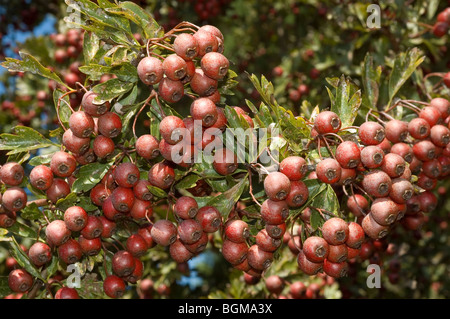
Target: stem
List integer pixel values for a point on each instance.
(335, 135)
(152, 95)
(362, 190)
(251, 187)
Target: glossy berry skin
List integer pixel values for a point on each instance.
(40, 254)
(137, 272)
(41, 177)
(19, 280)
(186, 207)
(81, 124)
(67, 293)
(171, 91)
(161, 175)
(298, 194)
(430, 114)
(99, 194)
(337, 253)
(189, 231)
(147, 146)
(150, 70)
(335, 270)
(372, 156)
(141, 210)
(126, 175)
(75, 144)
(209, 218)
(57, 232)
(259, 259)
(109, 227)
(372, 228)
(110, 125)
(236, 231)
(141, 191)
(348, 154)
(70, 252)
(122, 199)
(335, 231)
(59, 189)
(123, 263)
(103, 146)
(90, 247)
(384, 211)
(328, 171)
(215, 65)
(274, 212)
(136, 245)
(202, 84)
(114, 287)
(174, 67)
(315, 249)
(75, 218)
(199, 245)
(424, 150)
(234, 253)
(14, 199)
(206, 42)
(308, 267)
(172, 129)
(164, 232)
(12, 174)
(327, 122)
(440, 135)
(294, 167)
(377, 183)
(204, 110)
(267, 243)
(277, 186)
(393, 165)
(371, 133)
(185, 46)
(63, 164)
(92, 108)
(356, 235)
(93, 228)
(357, 204)
(179, 252)
(225, 162)
(419, 128)
(440, 103)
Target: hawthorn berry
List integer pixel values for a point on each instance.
(328, 171)
(371, 133)
(150, 70)
(12, 174)
(327, 122)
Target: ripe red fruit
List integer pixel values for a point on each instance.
(189, 231)
(371, 133)
(215, 65)
(335, 231)
(123, 263)
(172, 129)
(274, 212)
(14, 199)
(185, 45)
(357, 204)
(136, 245)
(57, 232)
(377, 183)
(81, 124)
(315, 249)
(164, 232)
(150, 70)
(294, 167)
(277, 186)
(110, 212)
(373, 229)
(440, 29)
(199, 245)
(186, 207)
(337, 253)
(267, 243)
(137, 272)
(203, 109)
(419, 128)
(298, 195)
(109, 125)
(41, 177)
(372, 156)
(75, 144)
(427, 201)
(384, 211)
(90, 247)
(171, 91)
(402, 190)
(426, 182)
(63, 164)
(207, 42)
(103, 146)
(202, 84)
(225, 162)
(161, 175)
(58, 190)
(276, 231)
(93, 228)
(440, 135)
(145, 232)
(424, 150)
(122, 199)
(328, 171)
(126, 175)
(12, 174)
(274, 284)
(308, 267)
(93, 108)
(394, 165)
(179, 252)
(348, 154)
(70, 252)
(174, 67)
(19, 280)
(327, 122)
(430, 114)
(40, 254)
(259, 259)
(109, 227)
(75, 218)
(114, 287)
(209, 218)
(396, 131)
(355, 236)
(234, 253)
(147, 146)
(99, 194)
(440, 103)
(335, 270)
(67, 293)
(236, 231)
(141, 210)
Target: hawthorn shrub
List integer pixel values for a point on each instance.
(293, 199)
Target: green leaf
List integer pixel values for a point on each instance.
(327, 200)
(226, 201)
(25, 139)
(31, 212)
(30, 64)
(142, 18)
(347, 101)
(404, 66)
(91, 45)
(111, 89)
(124, 71)
(188, 182)
(22, 259)
(371, 80)
(315, 219)
(64, 106)
(53, 267)
(4, 287)
(156, 191)
(22, 230)
(41, 159)
(89, 176)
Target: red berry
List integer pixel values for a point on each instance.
(103, 146)
(41, 177)
(335, 231)
(161, 175)
(259, 259)
(377, 183)
(90, 247)
(67, 293)
(63, 164)
(81, 124)
(329, 171)
(19, 280)
(186, 207)
(419, 128)
(58, 190)
(202, 84)
(122, 199)
(298, 195)
(185, 45)
(234, 253)
(348, 154)
(373, 229)
(308, 267)
(147, 146)
(209, 218)
(372, 156)
(430, 114)
(93, 108)
(123, 263)
(315, 249)
(126, 175)
(203, 109)
(371, 133)
(75, 218)
(40, 254)
(277, 186)
(164, 232)
(327, 122)
(110, 125)
(150, 70)
(114, 287)
(12, 174)
(215, 65)
(70, 252)
(171, 91)
(274, 212)
(294, 167)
